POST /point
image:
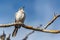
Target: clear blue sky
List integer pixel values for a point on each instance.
(37, 12)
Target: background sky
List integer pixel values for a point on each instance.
(37, 12)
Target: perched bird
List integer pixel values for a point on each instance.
(19, 17)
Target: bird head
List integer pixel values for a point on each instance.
(22, 9)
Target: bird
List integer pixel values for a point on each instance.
(19, 17)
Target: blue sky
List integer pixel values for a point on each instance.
(37, 12)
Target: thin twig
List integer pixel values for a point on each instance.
(27, 35)
(8, 38)
(25, 38)
(49, 23)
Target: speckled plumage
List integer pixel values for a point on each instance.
(19, 17)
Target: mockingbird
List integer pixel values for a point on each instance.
(19, 17)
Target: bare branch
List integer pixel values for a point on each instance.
(27, 35)
(49, 23)
(9, 25)
(3, 36)
(31, 27)
(41, 30)
(30, 33)
(8, 38)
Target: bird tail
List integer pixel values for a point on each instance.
(15, 32)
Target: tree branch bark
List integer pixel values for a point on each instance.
(10, 24)
(50, 22)
(31, 27)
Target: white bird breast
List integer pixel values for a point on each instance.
(19, 15)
